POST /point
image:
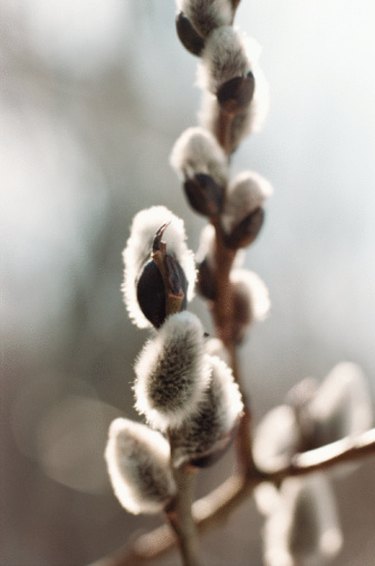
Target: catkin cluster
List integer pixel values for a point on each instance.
(187, 396)
(184, 386)
(301, 519)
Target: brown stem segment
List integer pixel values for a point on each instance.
(224, 125)
(220, 503)
(181, 519)
(222, 313)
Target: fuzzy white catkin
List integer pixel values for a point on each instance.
(304, 524)
(138, 466)
(276, 439)
(250, 120)
(342, 405)
(172, 372)
(208, 430)
(206, 15)
(197, 151)
(138, 249)
(247, 192)
(252, 288)
(226, 55)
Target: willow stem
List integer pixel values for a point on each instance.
(181, 519)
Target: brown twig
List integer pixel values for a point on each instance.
(218, 504)
(180, 516)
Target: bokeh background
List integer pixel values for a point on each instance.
(93, 95)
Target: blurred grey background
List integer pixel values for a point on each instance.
(93, 95)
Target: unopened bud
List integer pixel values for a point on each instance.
(224, 58)
(138, 465)
(246, 194)
(197, 152)
(251, 301)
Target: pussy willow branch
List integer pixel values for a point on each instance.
(179, 511)
(219, 504)
(180, 517)
(222, 314)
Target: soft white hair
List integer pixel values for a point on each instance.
(208, 430)
(138, 466)
(247, 192)
(172, 373)
(198, 151)
(206, 15)
(304, 524)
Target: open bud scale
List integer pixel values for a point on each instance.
(138, 253)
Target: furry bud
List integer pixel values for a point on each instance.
(341, 406)
(138, 277)
(138, 466)
(246, 194)
(197, 151)
(224, 58)
(248, 118)
(188, 36)
(251, 301)
(206, 15)
(276, 439)
(304, 525)
(243, 215)
(171, 372)
(203, 437)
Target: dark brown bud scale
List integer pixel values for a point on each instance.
(242, 316)
(235, 95)
(206, 285)
(204, 194)
(151, 294)
(188, 35)
(246, 231)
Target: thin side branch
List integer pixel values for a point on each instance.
(217, 505)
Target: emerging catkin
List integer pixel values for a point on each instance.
(197, 151)
(172, 372)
